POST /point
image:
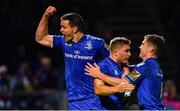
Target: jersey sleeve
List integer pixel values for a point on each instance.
(58, 41)
(103, 67)
(104, 51)
(138, 73)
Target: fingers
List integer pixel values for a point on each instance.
(88, 69)
(96, 65)
(50, 11)
(87, 73)
(126, 69)
(125, 87)
(91, 66)
(51, 8)
(129, 88)
(124, 74)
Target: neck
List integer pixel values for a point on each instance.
(149, 56)
(77, 36)
(113, 58)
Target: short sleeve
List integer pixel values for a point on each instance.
(103, 67)
(104, 51)
(139, 72)
(58, 41)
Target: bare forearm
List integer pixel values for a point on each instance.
(42, 36)
(105, 90)
(109, 80)
(95, 72)
(42, 29)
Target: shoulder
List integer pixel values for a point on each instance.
(58, 36)
(144, 66)
(152, 62)
(103, 62)
(149, 62)
(140, 64)
(93, 38)
(146, 62)
(97, 42)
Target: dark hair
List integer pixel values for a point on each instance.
(74, 20)
(157, 41)
(117, 41)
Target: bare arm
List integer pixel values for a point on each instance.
(126, 71)
(95, 72)
(42, 36)
(102, 89)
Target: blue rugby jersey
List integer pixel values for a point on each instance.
(149, 78)
(88, 49)
(111, 68)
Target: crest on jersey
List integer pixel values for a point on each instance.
(88, 45)
(116, 72)
(134, 75)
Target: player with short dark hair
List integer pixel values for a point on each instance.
(78, 49)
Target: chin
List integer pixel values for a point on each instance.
(69, 42)
(124, 62)
(67, 39)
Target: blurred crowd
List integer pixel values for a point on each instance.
(171, 98)
(32, 85)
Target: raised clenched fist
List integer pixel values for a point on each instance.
(50, 11)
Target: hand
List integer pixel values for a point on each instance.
(91, 70)
(125, 87)
(50, 11)
(126, 71)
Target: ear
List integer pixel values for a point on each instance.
(75, 29)
(151, 49)
(115, 53)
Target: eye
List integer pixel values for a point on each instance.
(127, 50)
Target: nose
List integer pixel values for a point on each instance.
(61, 29)
(140, 46)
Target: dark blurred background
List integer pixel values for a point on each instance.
(32, 76)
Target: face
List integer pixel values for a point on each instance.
(144, 49)
(66, 30)
(123, 54)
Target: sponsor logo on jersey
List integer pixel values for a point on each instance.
(77, 52)
(76, 56)
(134, 75)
